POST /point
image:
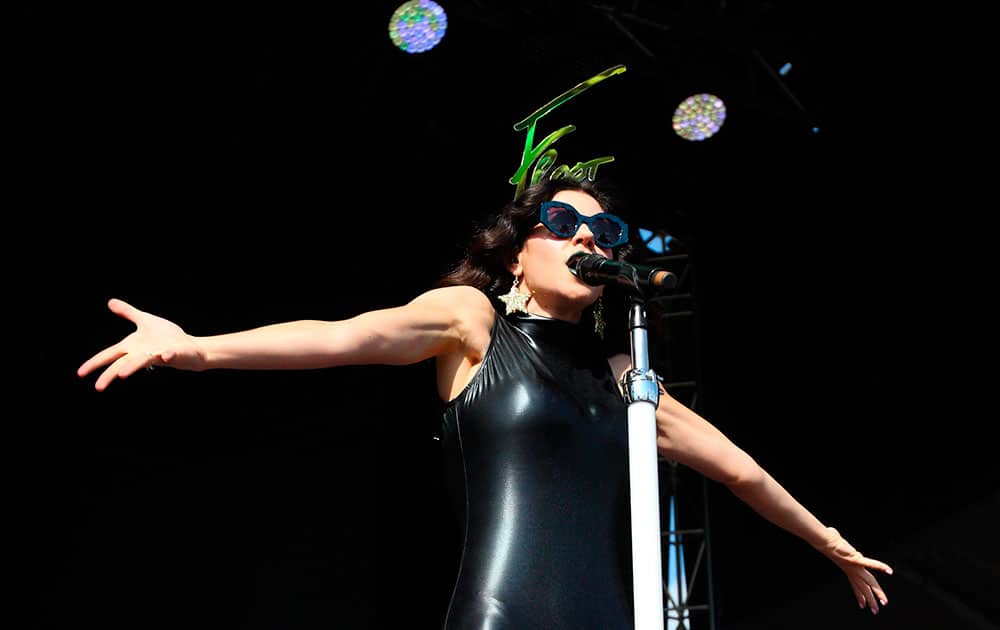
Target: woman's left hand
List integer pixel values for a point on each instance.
(852, 562)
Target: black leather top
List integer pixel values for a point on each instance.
(536, 454)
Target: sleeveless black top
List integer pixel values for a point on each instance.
(536, 456)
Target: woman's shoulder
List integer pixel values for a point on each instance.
(459, 295)
(467, 304)
(470, 314)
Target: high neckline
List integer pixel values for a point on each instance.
(534, 317)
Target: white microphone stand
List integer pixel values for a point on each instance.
(642, 393)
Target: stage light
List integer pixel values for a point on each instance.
(417, 25)
(699, 117)
(785, 69)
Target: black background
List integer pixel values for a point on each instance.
(227, 168)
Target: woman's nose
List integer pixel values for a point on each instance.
(583, 235)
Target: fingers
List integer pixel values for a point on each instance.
(866, 598)
(122, 308)
(105, 379)
(112, 354)
(871, 601)
(877, 565)
(124, 367)
(873, 597)
(101, 358)
(859, 595)
(867, 591)
(880, 594)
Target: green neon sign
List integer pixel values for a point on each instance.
(544, 158)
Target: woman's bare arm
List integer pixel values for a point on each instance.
(432, 324)
(687, 438)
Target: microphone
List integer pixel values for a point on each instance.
(595, 270)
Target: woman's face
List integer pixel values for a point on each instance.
(541, 264)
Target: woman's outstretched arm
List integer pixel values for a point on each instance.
(431, 324)
(687, 438)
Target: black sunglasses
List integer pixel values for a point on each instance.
(564, 220)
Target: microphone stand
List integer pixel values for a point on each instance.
(642, 393)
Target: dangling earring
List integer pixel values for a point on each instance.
(515, 300)
(599, 317)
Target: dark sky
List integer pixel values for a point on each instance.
(227, 169)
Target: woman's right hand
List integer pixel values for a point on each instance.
(155, 341)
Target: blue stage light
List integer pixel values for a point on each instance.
(417, 25)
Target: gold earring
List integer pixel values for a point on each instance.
(599, 317)
(515, 300)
